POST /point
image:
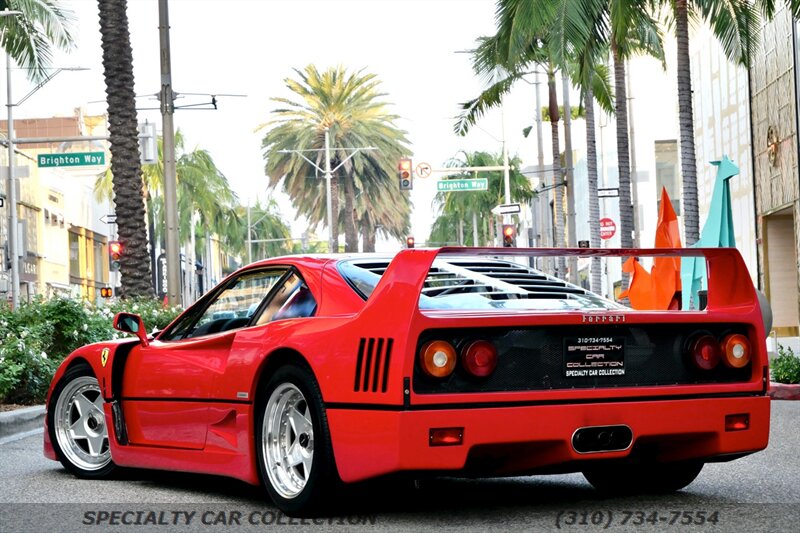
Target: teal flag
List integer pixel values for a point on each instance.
(717, 232)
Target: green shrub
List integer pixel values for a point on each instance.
(39, 335)
(785, 368)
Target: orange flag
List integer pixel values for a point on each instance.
(657, 290)
(640, 291)
(666, 273)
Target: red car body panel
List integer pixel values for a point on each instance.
(189, 405)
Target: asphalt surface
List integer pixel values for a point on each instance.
(760, 492)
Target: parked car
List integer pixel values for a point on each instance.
(336, 369)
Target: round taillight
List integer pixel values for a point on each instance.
(736, 350)
(479, 358)
(438, 359)
(705, 352)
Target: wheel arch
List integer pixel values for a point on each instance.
(272, 362)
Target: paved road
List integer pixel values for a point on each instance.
(758, 493)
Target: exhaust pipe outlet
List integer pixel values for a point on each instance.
(595, 439)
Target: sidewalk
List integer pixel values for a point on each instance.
(21, 423)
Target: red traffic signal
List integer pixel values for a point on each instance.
(404, 173)
(106, 292)
(509, 235)
(114, 255)
(409, 242)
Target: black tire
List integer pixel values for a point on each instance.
(87, 455)
(296, 490)
(642, 478)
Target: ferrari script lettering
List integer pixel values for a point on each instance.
(603, 319)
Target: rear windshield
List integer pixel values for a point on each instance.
(480, 284)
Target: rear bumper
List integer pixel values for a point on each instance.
(516, 439)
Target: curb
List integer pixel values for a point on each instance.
(21, 421)
(782, 391)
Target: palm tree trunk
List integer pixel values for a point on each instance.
(350, 232)
(623, 156)
(123, 136)
(335, 210)
(689, 205)
(368, 234)
(151, 228)
(558, 205)
(569, 173)
(594, 201)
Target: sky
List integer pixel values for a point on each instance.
(249, 47)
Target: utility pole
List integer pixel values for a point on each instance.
(332, 246)
(167, 97)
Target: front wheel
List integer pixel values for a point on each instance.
(638, 478)
(78, 425)
(293, 442)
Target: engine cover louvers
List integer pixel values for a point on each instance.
(372, 365)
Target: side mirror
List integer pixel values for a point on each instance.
(131, 323)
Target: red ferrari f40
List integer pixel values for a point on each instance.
(303, 372)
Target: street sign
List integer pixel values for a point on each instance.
(608, 193)
(21, 171)
(479, 184)
(108, 219)
(608, 228)
(583, 244)
(423, 170)
(74, 159)
(506, 209)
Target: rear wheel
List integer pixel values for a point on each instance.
(639, 478)
(78, 426)
(293, 443)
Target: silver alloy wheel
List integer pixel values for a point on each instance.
(287, 440)
(80, 424)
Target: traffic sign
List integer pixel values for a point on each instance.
(478, 184)
(423, 170)
(506, 209)
(608, 228)
(108, 219)
(608, 193)
(74, 159)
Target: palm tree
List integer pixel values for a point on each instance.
(123, 136)
(735, 24)
(266, 223)
(206, 204)
(30, 38)
(462, 214)
(348, 105)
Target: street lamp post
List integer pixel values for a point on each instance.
(13, 244)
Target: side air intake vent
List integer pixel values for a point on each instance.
(372, 365)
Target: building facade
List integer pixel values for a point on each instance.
(64, 245)
(773, 82)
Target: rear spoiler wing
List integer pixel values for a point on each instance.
(397, 293)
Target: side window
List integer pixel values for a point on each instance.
(232, 308)
(291, 300)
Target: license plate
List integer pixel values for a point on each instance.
(594, 357)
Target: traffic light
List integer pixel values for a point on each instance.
(106, 292)
(405, 174)
(114, 255)
(409, 242)
(509, 235)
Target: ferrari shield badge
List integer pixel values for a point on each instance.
(104, 356)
